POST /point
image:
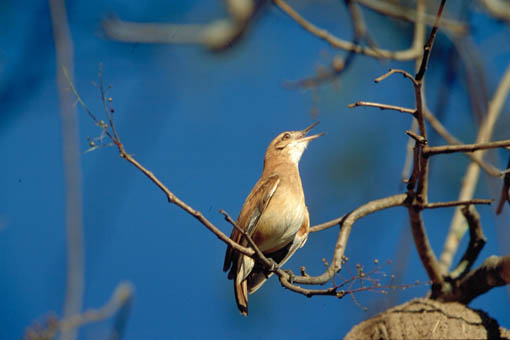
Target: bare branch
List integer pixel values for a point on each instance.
(427, 256)
(455, 203)
(436, 150)
(327, 225)
(430, 43)
(393, 71)
(494, 272)
(476, 242)
(338, 64)
(172, 198)
(383, 107)
(448, 137)
(343, 236)
(419, 139)
(409, 54)
(120, 299)
(122, 296)
(216, 35)
(392, 9)
(420, 172)
(72, 166)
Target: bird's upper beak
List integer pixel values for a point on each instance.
(304, 132)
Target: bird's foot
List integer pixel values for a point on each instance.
(291, 275)
(273, 266)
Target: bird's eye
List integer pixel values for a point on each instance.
(286, 136)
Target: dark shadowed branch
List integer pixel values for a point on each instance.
(476, 242)
(494, 272)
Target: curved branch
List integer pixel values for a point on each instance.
(327, 225)
(343, 236)
(409, 54)
(389, 8)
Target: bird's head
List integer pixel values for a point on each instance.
(290, 144)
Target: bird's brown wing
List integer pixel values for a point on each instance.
(253, 207)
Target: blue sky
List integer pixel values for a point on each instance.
(201, 122)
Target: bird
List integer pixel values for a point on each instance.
(274, 215)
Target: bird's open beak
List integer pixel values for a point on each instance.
(312, 137)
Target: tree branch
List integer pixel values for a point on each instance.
(172, 198)
(323, 34)
(389, 8)
(450, 139)
(75, 280)
(327, 225)
(494, 272)
(455, 203)
(382, 107)
(476, 242)
(428, 46)
(436, 150)
(427, 256)
(343, 236)
(457, 227)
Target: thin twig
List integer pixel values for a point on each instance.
(444, 149)
(419, 39)
(450, 139)
(172, 198)
(455, 203)
(393, 71)
(419, 139)
(429, 44)
(327, 225)
(382, 107)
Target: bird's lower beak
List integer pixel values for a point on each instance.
(312, 137)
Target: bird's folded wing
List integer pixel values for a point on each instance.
(255, 204)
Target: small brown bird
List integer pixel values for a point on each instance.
(274, 215)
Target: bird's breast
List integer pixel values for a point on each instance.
(280, 221)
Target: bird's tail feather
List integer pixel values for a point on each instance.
(241, 293)
(244, 267)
